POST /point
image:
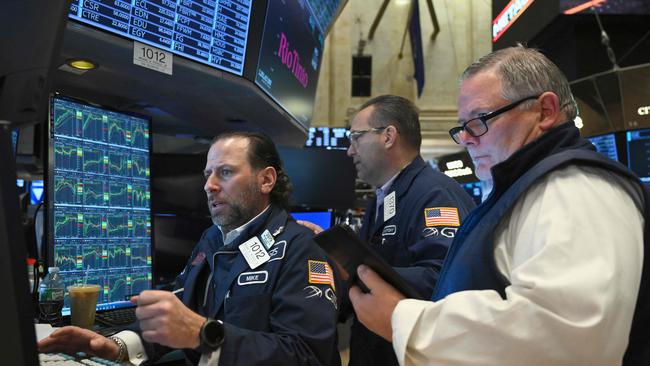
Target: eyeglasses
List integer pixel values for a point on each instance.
(356, 135)
(476, 127)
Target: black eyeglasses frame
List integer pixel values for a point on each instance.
(483, 128)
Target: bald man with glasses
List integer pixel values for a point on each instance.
(417, 210)
(550, 269)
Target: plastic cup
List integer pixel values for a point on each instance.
(83, 300)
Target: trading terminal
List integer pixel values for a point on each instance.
(105, 175)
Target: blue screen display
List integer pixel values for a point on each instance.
(36, 192)
(474, 190)
(320, 218)
(638, 153)
(14, 140)
(606, 145)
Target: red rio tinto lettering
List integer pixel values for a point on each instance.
(291, 60)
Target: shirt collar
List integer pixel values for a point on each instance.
(386, 186)
(234, 234)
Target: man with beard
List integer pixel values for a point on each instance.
(417, 210)
(256, 289)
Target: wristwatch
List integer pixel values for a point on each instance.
(211, 336)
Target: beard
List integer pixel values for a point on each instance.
(236, 209)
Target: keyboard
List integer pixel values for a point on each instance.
(79, 359)
(116, 317)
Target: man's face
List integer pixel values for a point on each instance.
(506, 133)
(232, 185)
(366, 150)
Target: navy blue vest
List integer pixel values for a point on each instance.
(470, 262)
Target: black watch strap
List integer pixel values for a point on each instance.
(211, 336)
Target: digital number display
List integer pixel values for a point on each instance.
(213, 32)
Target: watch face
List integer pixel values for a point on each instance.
(212, 334)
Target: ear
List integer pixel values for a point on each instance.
(390, 136)
(550, 114)
(266, 179)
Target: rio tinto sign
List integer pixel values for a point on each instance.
(508, 16)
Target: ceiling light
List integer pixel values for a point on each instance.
(81, 64)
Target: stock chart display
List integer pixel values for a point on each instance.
(213, 32)
(100, 200)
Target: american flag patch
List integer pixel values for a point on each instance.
(321, 272)
(441, 216)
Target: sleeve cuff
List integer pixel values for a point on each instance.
(134, 346)
(210, 359)
(403, 320)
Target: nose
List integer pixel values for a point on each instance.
(351, 150)
(466, 139)
(211, 184)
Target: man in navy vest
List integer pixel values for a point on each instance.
(257, 290)
(416, 213)
(547, 270)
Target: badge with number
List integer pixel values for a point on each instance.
(390, 206)
(267, 239)
(254, 252)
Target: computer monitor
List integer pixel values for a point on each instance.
(328, 138)
(98, 221)
(322, 179)
(175, 237)
(323, 219)
(36, 189)
(606, 145)
(14, 139)
(638, 153)
(474, 190)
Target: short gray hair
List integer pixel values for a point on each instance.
(525, 72)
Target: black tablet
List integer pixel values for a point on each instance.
(344, 247)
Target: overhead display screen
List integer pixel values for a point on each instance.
(324, 10)
(213, 32)
(328, 137)
(290, 56)
(605, 6)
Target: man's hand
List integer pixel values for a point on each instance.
(374, 309)
(311, 226)
(164, 319)
(74, 339)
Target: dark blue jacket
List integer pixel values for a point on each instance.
(272, 315)
(470, 264)
(408, 244)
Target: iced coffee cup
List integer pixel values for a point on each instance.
(83, 300)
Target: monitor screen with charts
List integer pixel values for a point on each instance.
(606, 145)
(99, 222)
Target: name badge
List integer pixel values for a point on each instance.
(390, 206)
(389, 230)
(267, 239)
(254, 252)
(250, 278)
